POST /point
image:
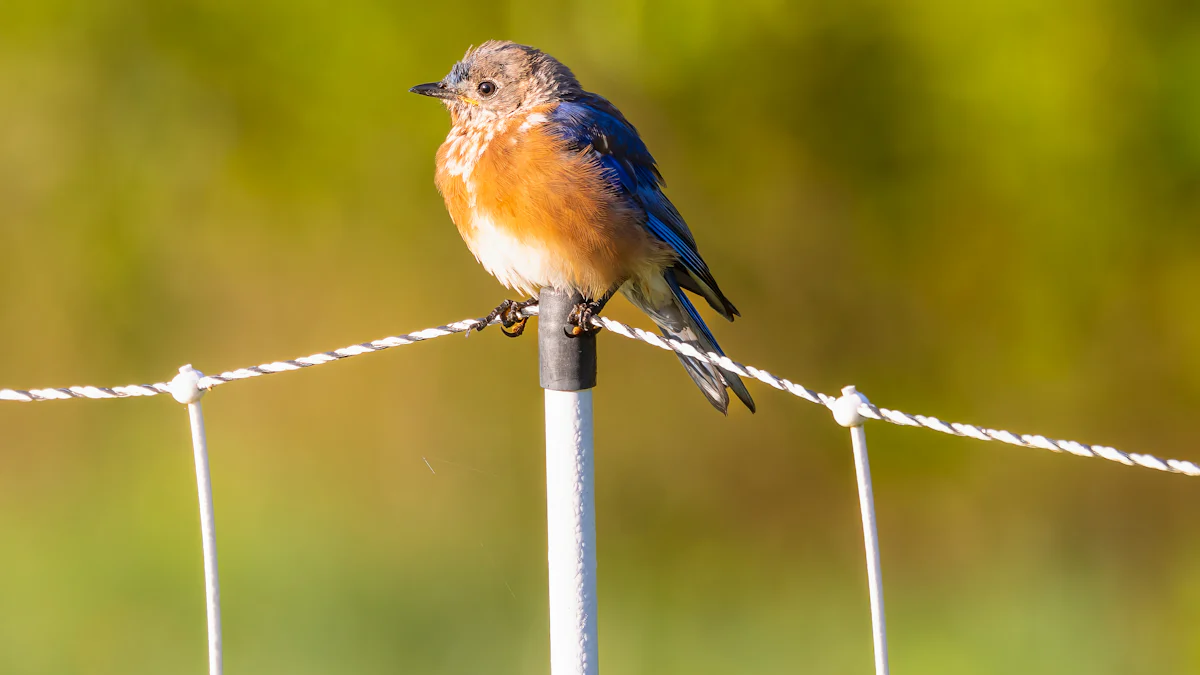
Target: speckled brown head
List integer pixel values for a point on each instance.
(500, 79)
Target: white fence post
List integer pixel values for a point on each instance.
(845, 411)
(568, 372)
(186, 389)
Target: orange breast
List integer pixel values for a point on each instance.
(537, 214)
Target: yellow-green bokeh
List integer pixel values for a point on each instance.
(984, 211)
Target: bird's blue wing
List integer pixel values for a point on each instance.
(592, 124)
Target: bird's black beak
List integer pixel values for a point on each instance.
(434, 89)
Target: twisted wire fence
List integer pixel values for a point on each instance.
(850, 410)
(866, 409)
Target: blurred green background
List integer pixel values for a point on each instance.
(983, 211)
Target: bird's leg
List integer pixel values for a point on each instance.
(580, 318)
(510, 314)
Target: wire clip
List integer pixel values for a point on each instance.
(186, 385)
(846, 408)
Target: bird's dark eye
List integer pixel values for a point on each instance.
(487, 88)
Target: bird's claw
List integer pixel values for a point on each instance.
(516, 332)
(510, 313)
(580, 318)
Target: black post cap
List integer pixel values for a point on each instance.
(565, 363)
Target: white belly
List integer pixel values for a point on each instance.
(517, 264)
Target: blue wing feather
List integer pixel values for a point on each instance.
(694, 314)
(592, 124)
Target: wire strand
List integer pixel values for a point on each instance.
(211, 381)
(870, 411)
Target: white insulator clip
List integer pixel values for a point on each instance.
(846, 408)
(186, 385)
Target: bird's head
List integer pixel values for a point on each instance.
(499, 79)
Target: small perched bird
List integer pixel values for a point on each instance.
(550, 186)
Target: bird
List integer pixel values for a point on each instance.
(550, 186)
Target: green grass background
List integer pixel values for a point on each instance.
(984, 211)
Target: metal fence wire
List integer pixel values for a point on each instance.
(867, 409)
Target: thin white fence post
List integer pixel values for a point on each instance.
(186, 389)
(846, 412)
(568, 372)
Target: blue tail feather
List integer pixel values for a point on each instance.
(709, 378)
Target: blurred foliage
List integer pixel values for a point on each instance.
(984, 211)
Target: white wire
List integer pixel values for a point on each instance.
(866, 503)
(208, 538)
(869, 411)
(1182, 467)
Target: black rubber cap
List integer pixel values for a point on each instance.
(565, 363)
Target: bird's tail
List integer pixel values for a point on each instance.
(677, 318)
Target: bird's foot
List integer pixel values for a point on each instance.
(510, 314)
(580, 318)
